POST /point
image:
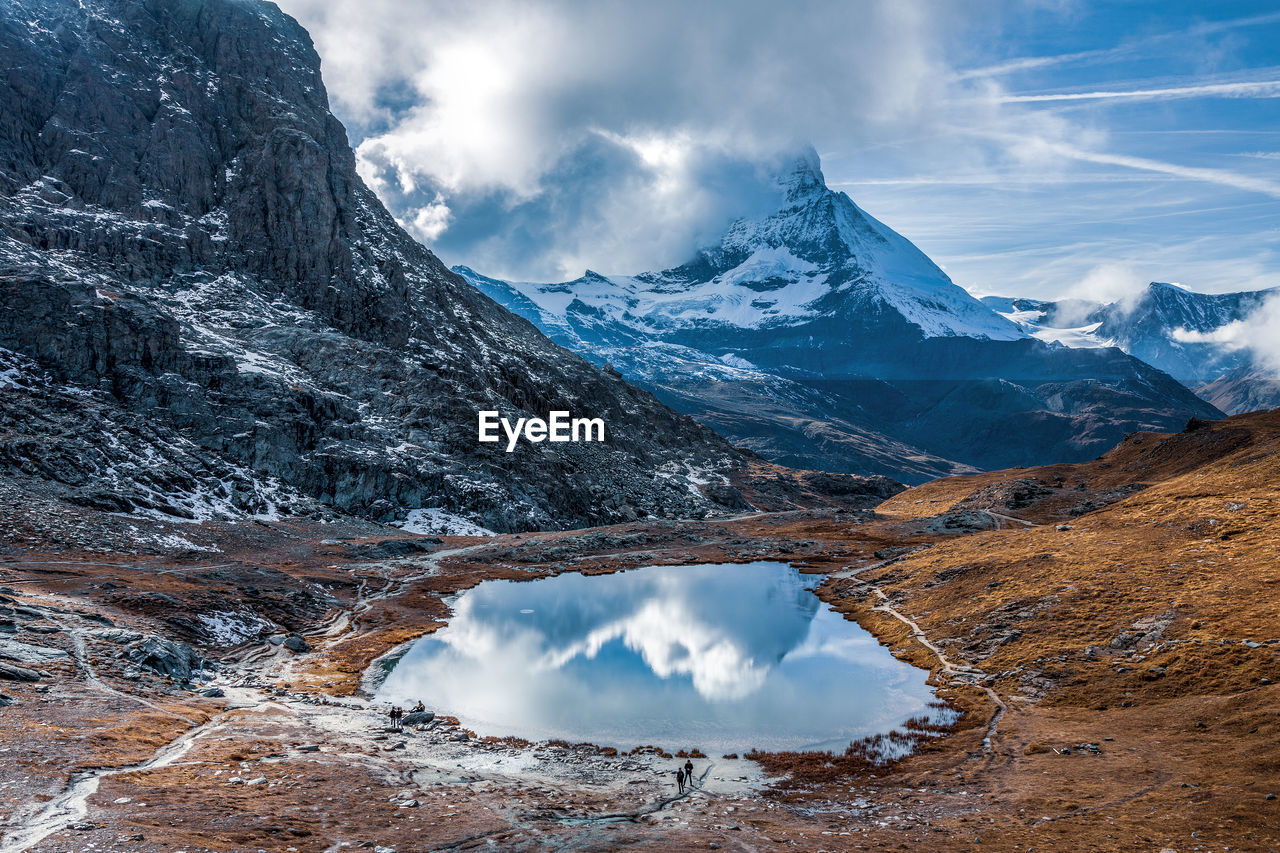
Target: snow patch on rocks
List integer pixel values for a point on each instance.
(438, 522)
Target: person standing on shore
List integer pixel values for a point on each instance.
(679, 780)
(688, 772)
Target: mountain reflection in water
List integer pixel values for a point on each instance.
(720, 657)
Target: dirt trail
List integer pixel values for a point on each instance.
(72, 805)
(962, 671)
(1002, 520)
(428, 566)
(80, 653)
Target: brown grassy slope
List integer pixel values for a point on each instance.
(1154, 620)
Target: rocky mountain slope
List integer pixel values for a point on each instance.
(820, 337)
(1151, 328)
(204, 311)
(1245, 389)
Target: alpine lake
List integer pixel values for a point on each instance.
(725, 658)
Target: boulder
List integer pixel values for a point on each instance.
(25, 653)
(164, 657)
(967, 521)
(417, 718)
(10, 672)
(119, 635)
(295, 643)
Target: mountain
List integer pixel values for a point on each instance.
(1244, 389)
(819, 336)
(1151, 328)
(207, 313)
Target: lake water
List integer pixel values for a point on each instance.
(724, 658)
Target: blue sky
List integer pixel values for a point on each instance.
(1041, 149)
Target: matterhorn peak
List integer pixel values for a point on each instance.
(801, 174)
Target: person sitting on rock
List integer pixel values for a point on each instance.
(419, 708)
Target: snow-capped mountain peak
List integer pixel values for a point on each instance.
(817, 257)
(821, 337)
(804, 177)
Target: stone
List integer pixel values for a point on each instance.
(969, 521)
(118, 635)
(164, 657)
(11, 672)
(25, 653)
(295, 643)
(418, 718)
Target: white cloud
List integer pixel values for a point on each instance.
(536, 139)
(596, 133)
(1110, 283)
(1259, 333)
(430, 220)
(1251, 89)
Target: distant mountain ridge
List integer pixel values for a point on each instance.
(819, 336)
(1150, 326)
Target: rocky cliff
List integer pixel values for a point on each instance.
(205, 311)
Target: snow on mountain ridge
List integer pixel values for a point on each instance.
(819, 254)
(1154, 326)
(820, 338)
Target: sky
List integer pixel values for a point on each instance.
(1042, 149)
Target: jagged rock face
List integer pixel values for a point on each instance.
(819, 337)
(1147, 327)
(184, 241)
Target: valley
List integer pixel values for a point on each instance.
(890, 566)
(1089, 621)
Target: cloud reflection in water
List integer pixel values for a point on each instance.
(722, 657)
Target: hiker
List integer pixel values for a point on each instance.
(679, 780)
(395, 718)
(688, 771)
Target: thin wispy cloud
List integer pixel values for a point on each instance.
(1255, 89)
(1129, 49)
(1032, 63)
(1223, 177)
